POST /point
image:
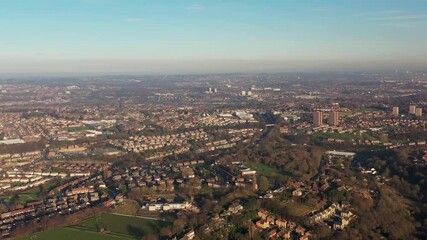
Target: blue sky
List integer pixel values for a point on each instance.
(197, 36)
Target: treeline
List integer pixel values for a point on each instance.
(47, 223)
(22, 147)
(387, 218)
(300, 162)
(408, 181)
(413, 135)
(408, 178)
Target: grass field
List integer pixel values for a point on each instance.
(115, 228)
(265, 170)
(370, 137)
(28, 197)
(124, 225)
(343, 136)
(74, 234)
(161, 195)
(77, 129)
(299, 209)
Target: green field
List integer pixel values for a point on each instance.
(114, 228)
(342, 136)
(77, 129)
(370, 137)
(265, 170)
(161, 195)
(73, 234)
(345, 136)
(25, 197)
(124, 225)
(28, 197)
(299, 209)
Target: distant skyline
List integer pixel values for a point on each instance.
(152, 37)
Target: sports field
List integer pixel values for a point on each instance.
(105, 227)
(300, 209)
(265, 170)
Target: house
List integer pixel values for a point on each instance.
(346, 214)
(75, 191)
(262, 223)
(281, 223)
(338, 225)
(305, 237)
(188, 236)
(297, 193)
(300, 230)
(341, 223)
(270, 219)
(262, 214)
(235, 208)
(285, 234)
(109, 203)
(270, 234)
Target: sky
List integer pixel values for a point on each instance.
(180, 36)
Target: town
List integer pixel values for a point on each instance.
(290, 156)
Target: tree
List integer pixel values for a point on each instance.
(179, 224)
(3, 208)
(323, 231)
(165, 232)
(150, 237)
(263, 183)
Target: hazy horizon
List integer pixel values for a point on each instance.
(179, 37)
(159, 67)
